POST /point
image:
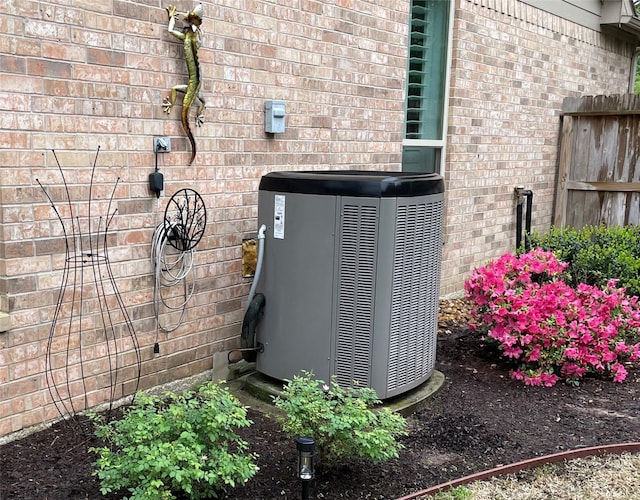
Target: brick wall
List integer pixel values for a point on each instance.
(512, 67)
(75, 77)
(86, 74)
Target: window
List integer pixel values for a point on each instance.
(427, 77)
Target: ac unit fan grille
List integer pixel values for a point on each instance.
(356, 282)
(415, 290)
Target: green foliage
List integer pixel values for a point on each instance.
(457, 493)
(182, 444)
(341, 421)
(596, 254)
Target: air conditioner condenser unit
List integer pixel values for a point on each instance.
(351, 276)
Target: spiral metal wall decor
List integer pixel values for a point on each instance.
(91, 329)
(172, 254)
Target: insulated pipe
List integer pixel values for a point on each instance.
(248, 344)
(255, 306)
(527, 224)
(522, 193)
(256, 276)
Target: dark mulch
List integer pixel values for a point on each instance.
(480, 419)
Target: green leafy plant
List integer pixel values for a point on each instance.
(553, 331)
(181, 444)
(596, 254)
(342, 421)
(457, 493)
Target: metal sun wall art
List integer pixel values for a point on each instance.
(92, 346)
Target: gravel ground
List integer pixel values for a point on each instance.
(596, 478)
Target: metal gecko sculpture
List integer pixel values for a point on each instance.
(191, 35)
(90, 322)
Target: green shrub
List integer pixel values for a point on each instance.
(596, 254)
(181, 444)
(341, 421)
(457, 493)
(552, 331)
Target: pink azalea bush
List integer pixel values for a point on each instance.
(553, 331)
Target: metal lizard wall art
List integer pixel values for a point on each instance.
(191, 35)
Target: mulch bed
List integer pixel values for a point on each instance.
(480, 419)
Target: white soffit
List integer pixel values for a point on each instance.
(620, 15)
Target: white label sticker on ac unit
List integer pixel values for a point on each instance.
(278, 217)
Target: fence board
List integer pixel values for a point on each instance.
(599, 162)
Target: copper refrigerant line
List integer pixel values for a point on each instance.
(595, 451)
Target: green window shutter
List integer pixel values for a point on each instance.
(426, 69)
(424, 137)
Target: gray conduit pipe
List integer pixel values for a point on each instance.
(611, 449)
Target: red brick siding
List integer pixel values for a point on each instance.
(512, 67)
(75, 77)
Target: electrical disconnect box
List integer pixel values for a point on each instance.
(274, 113)
(351, 276)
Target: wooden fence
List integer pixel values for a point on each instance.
(599, 162)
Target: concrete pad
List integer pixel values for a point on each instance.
(257, 391)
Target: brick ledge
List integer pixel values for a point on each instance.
(5, 321)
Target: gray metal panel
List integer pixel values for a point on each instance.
(405, 339)
(297, 281)
(357, 255)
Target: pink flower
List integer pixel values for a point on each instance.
(571, 353)
(619, 372)
(572, 371)
(533, 380)
(548, 379)
(535, 353)
(524, 306)
(512, 352)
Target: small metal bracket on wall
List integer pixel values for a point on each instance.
(162, 145)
